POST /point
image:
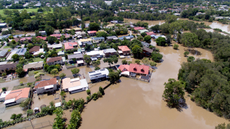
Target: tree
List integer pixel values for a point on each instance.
(15, 57)
(111, 60)
(13, 116)
(137, 50)
(143, 34)
(97, 68)
(28, 55)
(175, 46)
(49, 30)
(63, 94)
(155, 28)
(114, 76)
(29, 112)
(46, 49)
(94, 26)
(170, 18)
(190, 59)
(75, 120)
(96, 63)
(156, 56)
(59, 122)
(152, 63)
(102, 34)
(103, 46)
(87, 59)
(4, 74)
(186, 53)
(190, 40)
(137, 61)
(101, 90)
(173, 93)
(75, 71)
(62, 75)
(88, 92)
(30, 45)
(25, 103)
(19, 116)
(54, 71)
(160, 41)
(4, 89)
(147, 38)
(19, 71)
(124, 62)
(51, 39)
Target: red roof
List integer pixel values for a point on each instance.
(53, 59)
(18, 94)
(67, 36)
(135, 68)
(138, 28)
(56, 35)
(123, 48)
(40, 37)
(150, 33)
(25, 38)
(44, 83)
(92, 32)
(70, 45)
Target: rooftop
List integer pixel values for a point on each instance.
(77, 56)
(70, 45)
(53, 59)
(44, 83)
(18, 94)
(138, 28)
(98, 73)
(110, 50)
(135, 68)
(21, 51)
(123, 48)
(34, 49)
(33, 65)
(3, 53)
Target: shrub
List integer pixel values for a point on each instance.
(21, 83)
(99, 94)
(101, 90)
(124, 61)
(13, 116)
(4, 89)
(129, 62)
(152, 63)
(88, 92)
(88, 98)
(95, 96)
(29, 112)
(186, 53)
(175, 46)
(190, 59)
(97, 68)
(137, 61)
(19, 116)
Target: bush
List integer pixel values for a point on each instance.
(129, 62)
(190, 59)
(4, 89)
(137, 61)
(21, 83)
(19, 116)
(175, 46)
(13, 116)
(186, 53)
(29, 112)
(124, 61)
(95, 96)
(101, 90)
(88, 92)
(97, 68)
(99, 94)
(88, 98)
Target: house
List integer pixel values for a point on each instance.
(145, 44)
(26, 39)
(111, 38)
(95, 53)
(67, 36)
(3, 25)
(21, 52)
(125, 50)
(40, 37)
(33, 66)
(58, 36)
(98, 39)
(143, 31)
(110, 52)
(3, 53)
(80, 34)
(54, 60)
(152, 34)
(3, 95)
(114, 22)
(77, 29)
(92, 33)
(54, 46)
(17, 96)
(46, 86)
(99, 75)
(78, 57)
(147, 51)
(41, 50)
(70, 45)
(126, 37)
(74, 85)
(134, 69)
(83, 42)
(56, 32)
(30, 34)
(61, 53)
(138, 28)
(34, 49)
(42, 32)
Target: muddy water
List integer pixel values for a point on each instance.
(135, 104)
(151, 23)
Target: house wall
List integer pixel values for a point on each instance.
(42, 90)
(20, 100)
(56, 62)
(126, 52)
(110, 54)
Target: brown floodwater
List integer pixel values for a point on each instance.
(151, 23)
(136, 104)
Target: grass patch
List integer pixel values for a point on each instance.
(31, 73)
(6, 47)
(19, 87)
(36, 60)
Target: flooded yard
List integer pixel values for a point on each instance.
(6, 112)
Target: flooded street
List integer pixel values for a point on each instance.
(136, 104)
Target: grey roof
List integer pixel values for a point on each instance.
(98, 38)
(8, 66)
(112, 37)
(110, 50)
(3, 53)
(33, 65)
(77, 56)
(148, 49)
(21, 52)
(145, 44)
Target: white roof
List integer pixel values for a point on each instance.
(119, 51)
(55, 46)
(122, 57)
(36, 108)
(80, 61)
(41, 50)
(92, 53)
(84, 84)
(61, 53)
(75, 79)
(49, 86)
(77, 53)
(125, 73)
(58, 104)
(102, 71)
(3, 94)
(9, 101)
(11, 54)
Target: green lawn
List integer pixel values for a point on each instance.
(28, 10)
(6, 47)
(36, 60)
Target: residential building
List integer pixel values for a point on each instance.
(147, 51)
(92, 33)
(83, 42)
(78, 57)
(42, 32)
(152, 34)
(111, 38)
(3, 53)
(125, 50)
(126, 37)
(54, 60)
(74, 85)
(34, 49)
(58, 36)
(33, 66)
(21, 52)
(17, 96)
(70, 45)
(3, 25)
(54, 46)
(3, 95)
(139, 28)
(26, 39)
(95, 53)
(99, 75)
(110, 52)
(46, 86)
(143, 31)
(41, 50)
(98, 39)
(40, 37)
(145, 44)
(135, 69)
